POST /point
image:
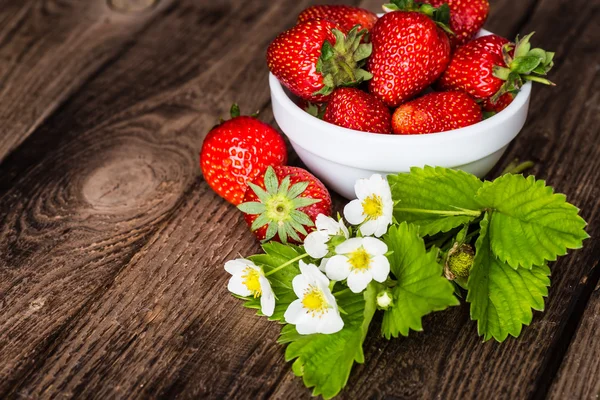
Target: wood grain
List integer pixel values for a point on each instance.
(116, 170)
(579, 374)
(50, 48)
(112, 245)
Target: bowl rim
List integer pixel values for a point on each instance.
(342, 133)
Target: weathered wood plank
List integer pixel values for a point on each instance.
(579, 374)
(127, 152)
(50, 48)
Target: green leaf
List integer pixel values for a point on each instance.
(284, 186)
(259, 222)
(301, 218)
(260, 192)
(300, 202)
(271, 182)
(325, 361)
(297, 189)
(271, 231)
(437, 199)
(421, 289)
(501, 297)
(525, 64)
(530, 224)
(234, 111)
(252, 207)
(277, 254)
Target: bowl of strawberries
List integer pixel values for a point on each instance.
(358, 93)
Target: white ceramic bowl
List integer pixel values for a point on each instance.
(339, 156)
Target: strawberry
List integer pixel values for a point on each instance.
(490, 66)
(436, 112)
(237, 151)
(410, 51)
(345, 16)
(282, 204)
(314, 57)
(355, 109)
(466, 18)
(502, 102)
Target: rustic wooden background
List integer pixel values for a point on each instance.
(112, 245)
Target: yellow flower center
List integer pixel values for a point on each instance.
(360, 259)
(314, 300)
(252, 282)
(373, 206)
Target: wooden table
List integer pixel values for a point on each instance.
(112, 245)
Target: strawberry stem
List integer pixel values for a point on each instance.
(341, 64)
(285, 264)
(522, 64)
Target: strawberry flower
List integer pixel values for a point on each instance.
(373, 208)
(249, 280)
(315, 310)
(316, 243)
(359, 260)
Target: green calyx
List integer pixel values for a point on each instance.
(440, 15)
(316, 110)
(526, 64)
(341, 64)
(278, 207)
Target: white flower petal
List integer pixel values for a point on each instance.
(338, 268)
(294, 313)
(369, 227)
(307, 325)
(348, 246)
(359, 280)
(381, 227)
(374, 247)
(315, 244)
(313, 275)
(267, 298)
(344, 230)
(380, 268)
(327, 224)
(364, 188)
(237, 266)
(353, 212)
(237, 286)
(300, 284)
(323, 264)
(331, 300)
(330, 323)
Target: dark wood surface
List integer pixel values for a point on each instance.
(112, 245)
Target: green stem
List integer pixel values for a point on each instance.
(471, 235)
(285, 264)
(470, 213)
(517, 169)
(341, 292)
(538, 79)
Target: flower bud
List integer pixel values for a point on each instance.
(460, 260)
(385, 299)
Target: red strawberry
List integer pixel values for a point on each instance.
(466, 18)
(500, 105)
(238, 150)
(355, 109)
(345, 16)
(436, 112)
(410, 51)
(282, 204)
(314, 57)
(491, 66)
